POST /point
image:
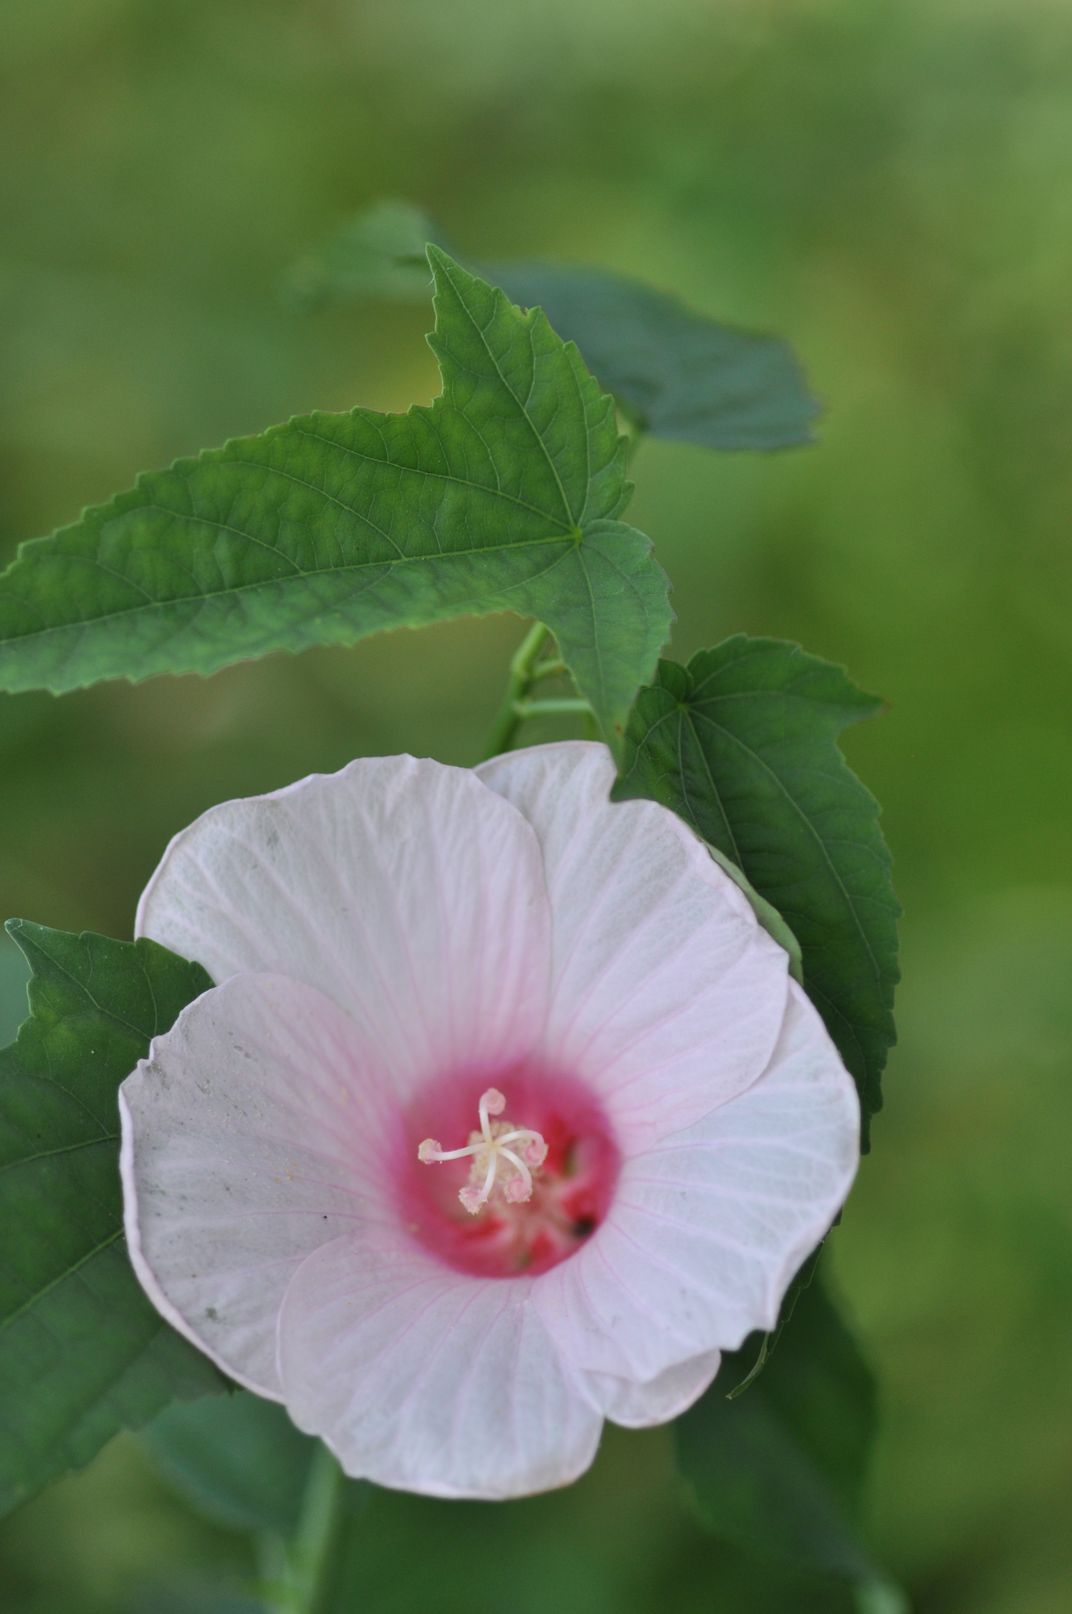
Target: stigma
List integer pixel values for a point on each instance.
(503, 1156)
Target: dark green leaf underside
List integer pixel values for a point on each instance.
(13, 975)
(780, 1469)
(237, 1459)
(503, 495)
(82, 1352)
(379, 253)
(680, 375)
(742, 744)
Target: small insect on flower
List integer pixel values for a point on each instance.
(504, 1118)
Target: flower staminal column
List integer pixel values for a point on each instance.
(502, 1220)
(500, 1084)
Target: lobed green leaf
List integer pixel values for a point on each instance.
(503, 495)
(82, 1352)
(742, 744)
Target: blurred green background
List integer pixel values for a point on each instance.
(886, 184)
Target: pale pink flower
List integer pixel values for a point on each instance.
(418, 960)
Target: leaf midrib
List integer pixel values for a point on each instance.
(686, 719)
(522, 407)
(68, 1272)
(806, 821)
(63, 1148)
(267, 583)
(715, 792)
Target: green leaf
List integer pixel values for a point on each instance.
(239, 1460)
(503, 495)
(13, 975)
(82, 1352)
(780, 1469)
(676, 373)
(768, 1343)
(380, 253)
(742, 744)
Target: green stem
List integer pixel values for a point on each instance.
(526, 671)
(551, 668)
(522, 674)
(310, 1561)
(568, 705)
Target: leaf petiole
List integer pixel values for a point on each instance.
(553, 667)
(523, 665)
(526, 671)
(567, 706)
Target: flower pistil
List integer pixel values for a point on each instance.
(503, 1157)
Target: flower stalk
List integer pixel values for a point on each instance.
(310, 1558)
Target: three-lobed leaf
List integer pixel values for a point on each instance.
(780, 1469)
(676, 373)
(82, 1352)
(742, 744)
(504, 494)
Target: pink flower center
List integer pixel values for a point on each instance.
(517, 1193)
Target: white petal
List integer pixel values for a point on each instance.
(707, 1229)
(667, 995)
(426, 1380)
(405, 890)
(249, 1138)
(638, 1406)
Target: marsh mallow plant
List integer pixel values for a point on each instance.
(457, 1111)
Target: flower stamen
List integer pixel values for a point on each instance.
(489, 1151)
